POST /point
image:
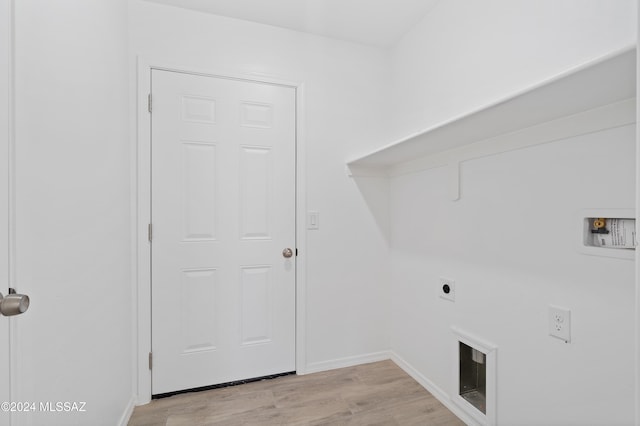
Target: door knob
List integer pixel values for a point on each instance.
(13, 304)
(287, 253)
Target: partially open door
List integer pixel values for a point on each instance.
(5, 107)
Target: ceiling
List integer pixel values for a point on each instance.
(379, 23)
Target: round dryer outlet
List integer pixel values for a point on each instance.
(447, 289)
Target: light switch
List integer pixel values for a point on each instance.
(313, 220)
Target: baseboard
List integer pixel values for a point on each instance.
(433, 389)
(349, 361)
(128, 411)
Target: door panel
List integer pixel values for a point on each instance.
(5, 27)
(223, 210)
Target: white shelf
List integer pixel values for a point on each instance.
(589, 98)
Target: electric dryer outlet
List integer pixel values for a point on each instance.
(447, 289)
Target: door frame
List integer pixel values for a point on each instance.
(141, 211)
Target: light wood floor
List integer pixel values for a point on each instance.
(373, 394)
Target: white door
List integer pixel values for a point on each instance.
(223, 211)
(4, 200)
(4, 278)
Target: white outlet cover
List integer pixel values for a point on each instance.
(451, 296)
(560, 323)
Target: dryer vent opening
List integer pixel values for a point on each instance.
(473, 376)
(474, 380)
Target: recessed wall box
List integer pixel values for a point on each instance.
(608, 232)
(475, 377)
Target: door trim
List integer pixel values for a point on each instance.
(141, 213)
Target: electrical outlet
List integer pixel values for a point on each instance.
(447, 289)
(560, 323)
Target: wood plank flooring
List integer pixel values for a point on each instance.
(379, 393)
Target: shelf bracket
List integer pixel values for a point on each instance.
(356, 171)
(453, 170)
(348, 171)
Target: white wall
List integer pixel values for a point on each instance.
(510, 242)
(73, 232)
(465, 54)
(345, 96)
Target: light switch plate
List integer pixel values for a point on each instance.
(313, 220)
